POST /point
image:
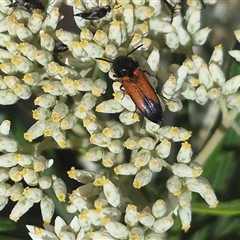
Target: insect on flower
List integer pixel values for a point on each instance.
(174, 7)
(60, 47)
(27, 5)
(137, 86)
(95, 14)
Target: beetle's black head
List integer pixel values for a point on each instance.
(124, 66)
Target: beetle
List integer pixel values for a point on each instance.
(137, 86)
(60, 47)
(95, 14)
(27, 5)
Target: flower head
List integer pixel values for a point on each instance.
(87, 99)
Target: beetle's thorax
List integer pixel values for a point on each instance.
(124, 66)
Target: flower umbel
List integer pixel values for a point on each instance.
(121, 151)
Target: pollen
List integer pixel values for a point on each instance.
(104, 180)
(38, 167)
(81, 108)
(38, 231)
(107, 163)
(195, 82)
(72, 173)
(96, 91)
(98, 204)
(17, 88)
(167, 143)
(135, 117)
(61, 71)
(174, 131)
(17, 157)
(105, 221)
(28, 79)
(108, 132)
(219, 46)
(22, 46)
(19, 26)
(98, 182)
(66, 80)
(17, 60)
(38, 100)
(76, 44)
(48, 133)
(130, 144)
(11, 20)
(90, 234)
(16, 176)
(185, 228)
(176, 192)
(188, 64)
(186, 145)
(170, 104)
(44, 36)
(149, 13)
(76, 84)
(53, 67)
(55, 10)
(139, 162)
(154, 162)
(47, 87)
(56, 117)
(115, 22)
(104, 63)
(137, 183)
(65, 124)
(83, 214)
(99, 34)
(86, 122)
(187, 135)
(101, 108)
(172, 79)
(117, 169)
(28, 136)
(83, 44)
(61, 197)
(118, 96)
(189, 2)
(88, 156)
(26, 191)
(144, 26)
(37, 14)
(203, 65)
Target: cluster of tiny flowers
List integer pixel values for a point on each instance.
(199, 81)
(69, 96)
(22, 179)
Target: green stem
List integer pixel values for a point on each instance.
(227, 121)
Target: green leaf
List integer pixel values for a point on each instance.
(223, 209)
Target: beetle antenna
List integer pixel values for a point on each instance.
(134, 50)
(104, 60)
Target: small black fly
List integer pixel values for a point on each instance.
(27, 5)
(60, 47)
(95, 14)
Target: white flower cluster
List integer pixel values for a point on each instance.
(195, 80)
(18, 170)
(70, 96)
